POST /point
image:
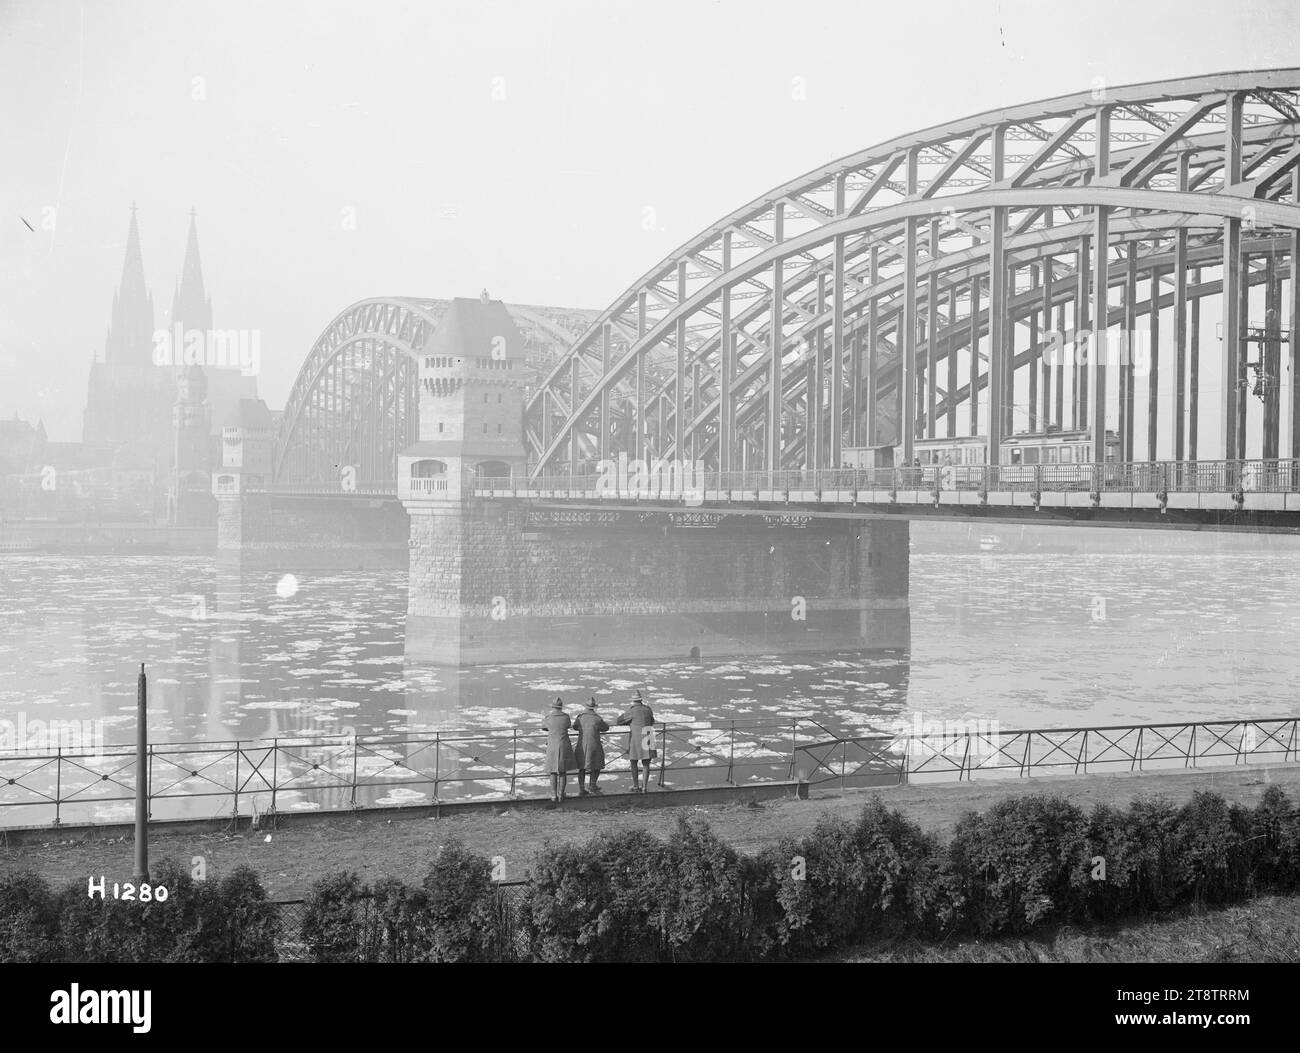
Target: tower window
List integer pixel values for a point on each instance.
(439, 427)
(485, 428)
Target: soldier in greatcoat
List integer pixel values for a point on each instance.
(640, 720)
(559, 750)
(588, 749)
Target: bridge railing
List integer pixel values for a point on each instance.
(1218, 477)
(991, 752)
(361, 489)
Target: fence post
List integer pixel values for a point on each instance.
(663, 753)
(237, 753)
(356, 748)
(514, 762)
(794, 746)
(437, 759)
(58, 785)
(275, 766)
(731, 758)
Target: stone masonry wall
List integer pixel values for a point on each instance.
(476, 558)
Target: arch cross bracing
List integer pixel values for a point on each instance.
(884, 289)
(355, 402)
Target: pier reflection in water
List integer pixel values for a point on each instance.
(235, 655)
(242, 655)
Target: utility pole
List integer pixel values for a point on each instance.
(141, 780)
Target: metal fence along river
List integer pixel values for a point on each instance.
(277, 776)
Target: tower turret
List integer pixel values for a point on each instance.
(472, 379)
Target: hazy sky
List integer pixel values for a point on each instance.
(511, 146)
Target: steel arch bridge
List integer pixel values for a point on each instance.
(911, 290)
(356, 401)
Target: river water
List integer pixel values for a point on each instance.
(1169, 631)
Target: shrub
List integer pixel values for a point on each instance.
(1211, 846)
(770, 931)
(245, 923)
(819, 888)
(1274, 835)
(603, 901)
(335, 919)
(400, 918)
(86, 926)
(843, 881)
(704, 921)
(29, 920)
(1139, 849)
(906, 889)
(464, 924)
(1012, 864)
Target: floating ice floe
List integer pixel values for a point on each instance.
(399, 795)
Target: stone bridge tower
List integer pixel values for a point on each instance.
(472, 379)
(502, 580)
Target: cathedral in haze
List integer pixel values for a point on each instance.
(159, 396)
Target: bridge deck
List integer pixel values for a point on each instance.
(1202, 490)
(1265, 493)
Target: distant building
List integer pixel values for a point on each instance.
(189, 497)
(191, 314)
(22, 446)
(159, 398)
(23, 449)
(129, 400)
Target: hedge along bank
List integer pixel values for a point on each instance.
(1022, 864)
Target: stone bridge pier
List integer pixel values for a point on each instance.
(496, 581)
(264, 530)
(504, 580)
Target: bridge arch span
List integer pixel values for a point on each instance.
(355, 402)
(904, 292)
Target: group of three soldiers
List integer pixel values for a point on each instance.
(587, 757)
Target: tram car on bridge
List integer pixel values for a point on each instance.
(1068, 453)
(862, 457)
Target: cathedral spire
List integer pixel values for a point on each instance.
(130, 332)
(191, 306)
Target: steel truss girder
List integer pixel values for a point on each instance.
(836, 217)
